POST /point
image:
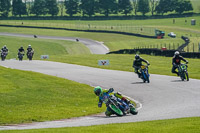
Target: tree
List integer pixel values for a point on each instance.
(143, 6)
(88, 7)
(52, 7)
(39, 7)
(135, 6)
(18, 8)
(153, 4)
(125, 6)
(71, 7)
(5, 7)
(61, 5)
(165, 6)
(108, 6)
(183, 5)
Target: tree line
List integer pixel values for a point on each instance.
(92, 7)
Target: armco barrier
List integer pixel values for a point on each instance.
(156, 52)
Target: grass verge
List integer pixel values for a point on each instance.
(183, 125)
(159, 65)
(61, 51)
(33, 97)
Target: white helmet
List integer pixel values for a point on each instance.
(29, 45)
(176, 53)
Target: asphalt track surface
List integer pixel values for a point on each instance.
(94, 46)
(165, 97)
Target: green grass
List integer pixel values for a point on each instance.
(58, 53)
(43, 46)
(182, 26)
(113, 41)
(183, 125)
(159, 65)
(33, 97)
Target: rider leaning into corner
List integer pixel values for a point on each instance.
(176, 60)
(137, 63)
(102, 93)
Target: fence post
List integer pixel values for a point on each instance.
(169, 46)
(193, 47)
(199, 46)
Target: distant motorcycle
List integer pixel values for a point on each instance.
(20, 56)
(3, 55)
(30, 55)
(144, 73)
(183, 73)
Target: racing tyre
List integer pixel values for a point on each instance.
(133, 111)
(116, 110)
(186, 76)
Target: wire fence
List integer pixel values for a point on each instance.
(191, 47)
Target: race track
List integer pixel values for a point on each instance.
(165, 97)
(94, 46)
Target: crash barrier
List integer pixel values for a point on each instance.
(156, 52)
(101, 31)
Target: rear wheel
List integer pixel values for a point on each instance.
(133, 111)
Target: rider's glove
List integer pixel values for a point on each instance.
(111, 90)
(187, 62)
(99, 104)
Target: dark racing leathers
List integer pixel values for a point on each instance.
(28, 51)
(4, 51)
(20, 50)
(137, 65)
(176, 60)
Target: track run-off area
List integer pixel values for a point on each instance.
(165, 97)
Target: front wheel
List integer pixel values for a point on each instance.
(186, 76)
(116, 110)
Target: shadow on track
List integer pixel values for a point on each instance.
(177, 81)
(137, 83)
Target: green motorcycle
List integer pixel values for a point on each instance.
(119, 107)
(182, 70)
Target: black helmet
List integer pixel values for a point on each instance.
(137, 57)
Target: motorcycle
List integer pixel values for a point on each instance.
(183, 73)
(3, 55)
(30, 55)
(117, 106)
(144, 73)
(20, 56)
